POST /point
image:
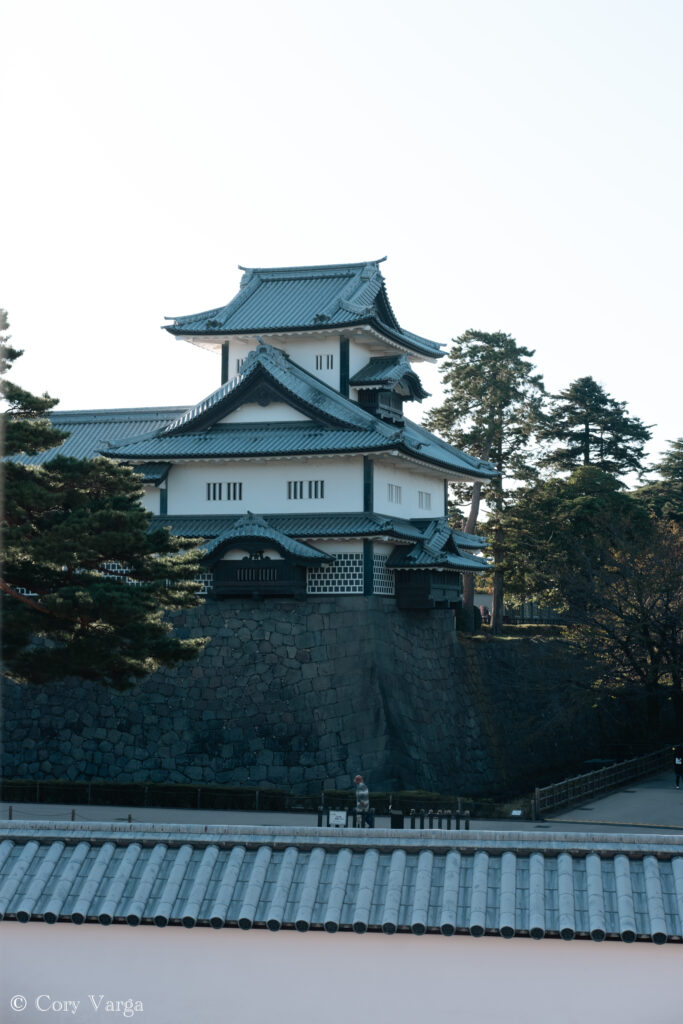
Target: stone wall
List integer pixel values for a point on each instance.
(297, 694)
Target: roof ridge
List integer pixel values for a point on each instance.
(312, 266)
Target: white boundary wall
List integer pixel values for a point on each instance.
(203, 975)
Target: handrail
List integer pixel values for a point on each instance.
(595, 783)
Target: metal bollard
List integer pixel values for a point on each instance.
(457, 819)
(422, 817)
(449, 819)
(321, 811)
(467, 820)
(430, 818)
(439, 815)
(412, 817)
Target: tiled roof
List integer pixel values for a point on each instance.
(462, 539)
(338, 424)
(436, 549)
(91, 429)
(478, 883)
(387, 372)
(312, 525)
(433, 448)
(307, 298)
(469, 540)
(154, 472)
(245, 439)
(256, 528)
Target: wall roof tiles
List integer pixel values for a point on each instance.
(488, 883)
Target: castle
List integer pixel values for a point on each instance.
(300, 473)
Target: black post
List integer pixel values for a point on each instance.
(422, 817)
(467, 820)
(457, 820)
(412, 817)
(449, 818)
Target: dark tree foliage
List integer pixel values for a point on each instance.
(492, 406)
(560, 534)
(63, 520)
(664, 497)
(586, 427)
(634, 634)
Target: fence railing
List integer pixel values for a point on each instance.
(596, 783)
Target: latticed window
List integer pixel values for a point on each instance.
(230, 491)
(257, 574)
(424, 499)
(324, 362)
(305, 489)
(394, 493)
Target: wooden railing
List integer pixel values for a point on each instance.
(597, 783)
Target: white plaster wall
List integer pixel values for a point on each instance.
(150, 500)
(360, 353)
(274, 412)
(264, 486)
(411, 482)
(238, 350)
(339, 547)
(258, 976)
(237, 555)
(380, 548)
(303, 351)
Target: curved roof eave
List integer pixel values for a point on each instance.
(412, 342)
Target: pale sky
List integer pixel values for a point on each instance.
(520, 162)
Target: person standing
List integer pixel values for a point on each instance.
(362, 802)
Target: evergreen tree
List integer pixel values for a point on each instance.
(586, 427)
(62, 522)
(664, 497)
(634, 634)
(492, 405)
(560, 535)
(585, 547)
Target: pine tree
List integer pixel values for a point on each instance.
(561, 535)
(585, 426)
(492, 405)
(63, 520)
(664, 497)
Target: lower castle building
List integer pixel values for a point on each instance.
(300, 472)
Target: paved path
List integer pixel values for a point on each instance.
(651, 805)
